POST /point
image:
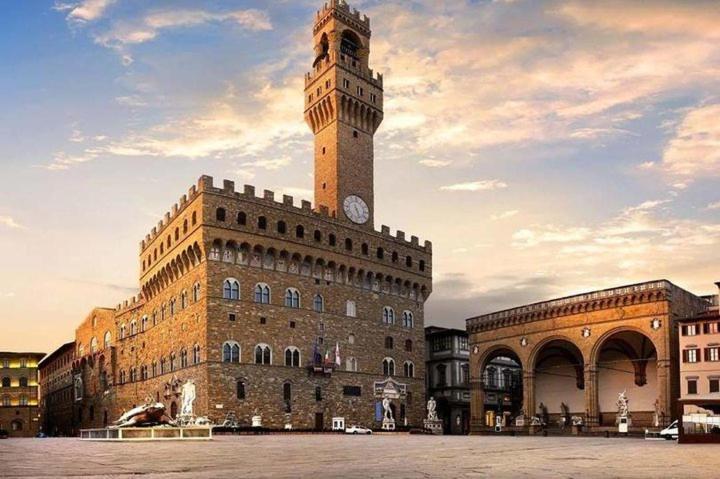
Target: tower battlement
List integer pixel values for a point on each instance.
(341, 8)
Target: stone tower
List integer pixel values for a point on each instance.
(344, 108)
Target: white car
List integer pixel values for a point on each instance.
(357, 430)
(670, 432)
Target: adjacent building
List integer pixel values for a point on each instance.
(19, 411)
(56, 395)
(576, 354)
(699, 405)
(306, 316)
(447, 376)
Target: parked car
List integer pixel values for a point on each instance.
(354, 429)
(670, 432)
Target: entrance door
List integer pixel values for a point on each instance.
(319, 421)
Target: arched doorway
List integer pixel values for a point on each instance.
(627, 362)
(502, 382)
(559, 382)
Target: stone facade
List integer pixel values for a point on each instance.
(19, 397)
(256, 300)
(447, 376)
(585, 349)
(56, 391)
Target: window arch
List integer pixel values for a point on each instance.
(183, 358)
(388, 367)
(395, 257)
(231, 289)
(143, 323)
(177, 234)
(350, 309)
(262, 293)
(240, 389)
(263, 354)
(6, 382)
(300, 231)
(242, 218)
(408, 261)
(107, 340)
(292, 357)
(409, 369)
(173, 361)
(348, 244)
(196, 292)
(332, 240)
(365, 249)
(6, 401)
(23, 382)
(194, 218)
(380, 253)
(133, 327)
(220, 214)
(388, 315)
(292, 298)
(185, 226)
(231, 352)
(318, 236)
(408, 345)
(408, 319)
(421, 265)
(262, 223)
(318, 303)
(196, 354)
(281, 227)
(93, 345)
(389, 342)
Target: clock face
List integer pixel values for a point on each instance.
(356, 209)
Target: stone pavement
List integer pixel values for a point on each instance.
(330, 456)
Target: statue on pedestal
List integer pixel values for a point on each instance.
(432, 409)
(188, 395)
(433, 422)
(388, 422)
(656, 414)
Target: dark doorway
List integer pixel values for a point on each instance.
(319, 421)
(173, 410)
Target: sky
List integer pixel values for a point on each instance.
(546, 148)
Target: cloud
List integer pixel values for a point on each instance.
(714, 206)
(269, 164)
(84, 11)
(482, 185)
(435, 163)
(147, 28)
(694, 151)
(63, 161)
(10, 222)
(504, 215)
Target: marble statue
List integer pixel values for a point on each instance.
(432, 409)
(386, 408)
(188, 395)
(622, 404)
(146, 415)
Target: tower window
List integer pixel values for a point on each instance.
(380, 253)
(365, 249)
(346, 83)
(262, 223)
(319, 92)
(323, 154)
(355, 134)
(318, 236)
(219, 215)
(331, 240)
(241, 218)
(310, 97)
(348, 244)
(360, 91)
(327, 84)
(373, 97)
(281, 227)
(300, 231)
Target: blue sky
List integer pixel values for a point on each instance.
(552, 147)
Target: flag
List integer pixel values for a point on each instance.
(337, 354)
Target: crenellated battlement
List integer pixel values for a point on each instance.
(349, 15)
(168, 217)
(287, 202)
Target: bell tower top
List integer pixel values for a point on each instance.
(343, 108)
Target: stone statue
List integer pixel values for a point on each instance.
(622, 405)
(656, 414)
(544, 416)
(146, 415)
(386, 408)
(564, 415)
(188, 396)
(432, 409)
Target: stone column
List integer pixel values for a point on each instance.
(592, 408)
(529, 394)
(477, 405)
(664, 387)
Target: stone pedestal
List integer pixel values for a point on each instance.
(388, 425)
(434, 426)
(535, 429)
(577, 429)
(257, 421)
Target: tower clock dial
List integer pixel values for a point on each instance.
(356, 209)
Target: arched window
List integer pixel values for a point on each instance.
(300, 231)
(231, 289)
(242, 218)
(107, 340)
(348, 244)
(183, 300)
(380, 253)
(240, 389)
(350, 309)
(408, 345)
(183, 358)
(365, 249)
(262, 293)
(287, 395)
(421, 265)
(408, 261)
(231, 352)
(185, 226)
(318, 304)
(133, 327)
(173, 362)
(351, 364)
(196, 354)
(389, 343)
(154, 368)
(395, 257)
(143, 373)
(93, 345)
(318, 236)
(262, 223)
(388, 315)
(177, 234)
(143, 323)
(23, 382)
(196, 292)
(194, 218)
(163, 365)
(332, 240)
(292, 357)
(281, 227)
(408, 319)
(388, 367)
(409, 369)
(263, 354)
(292, 298)
(220, 214)
(173, 301)
(6, 401)
(6, 382)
